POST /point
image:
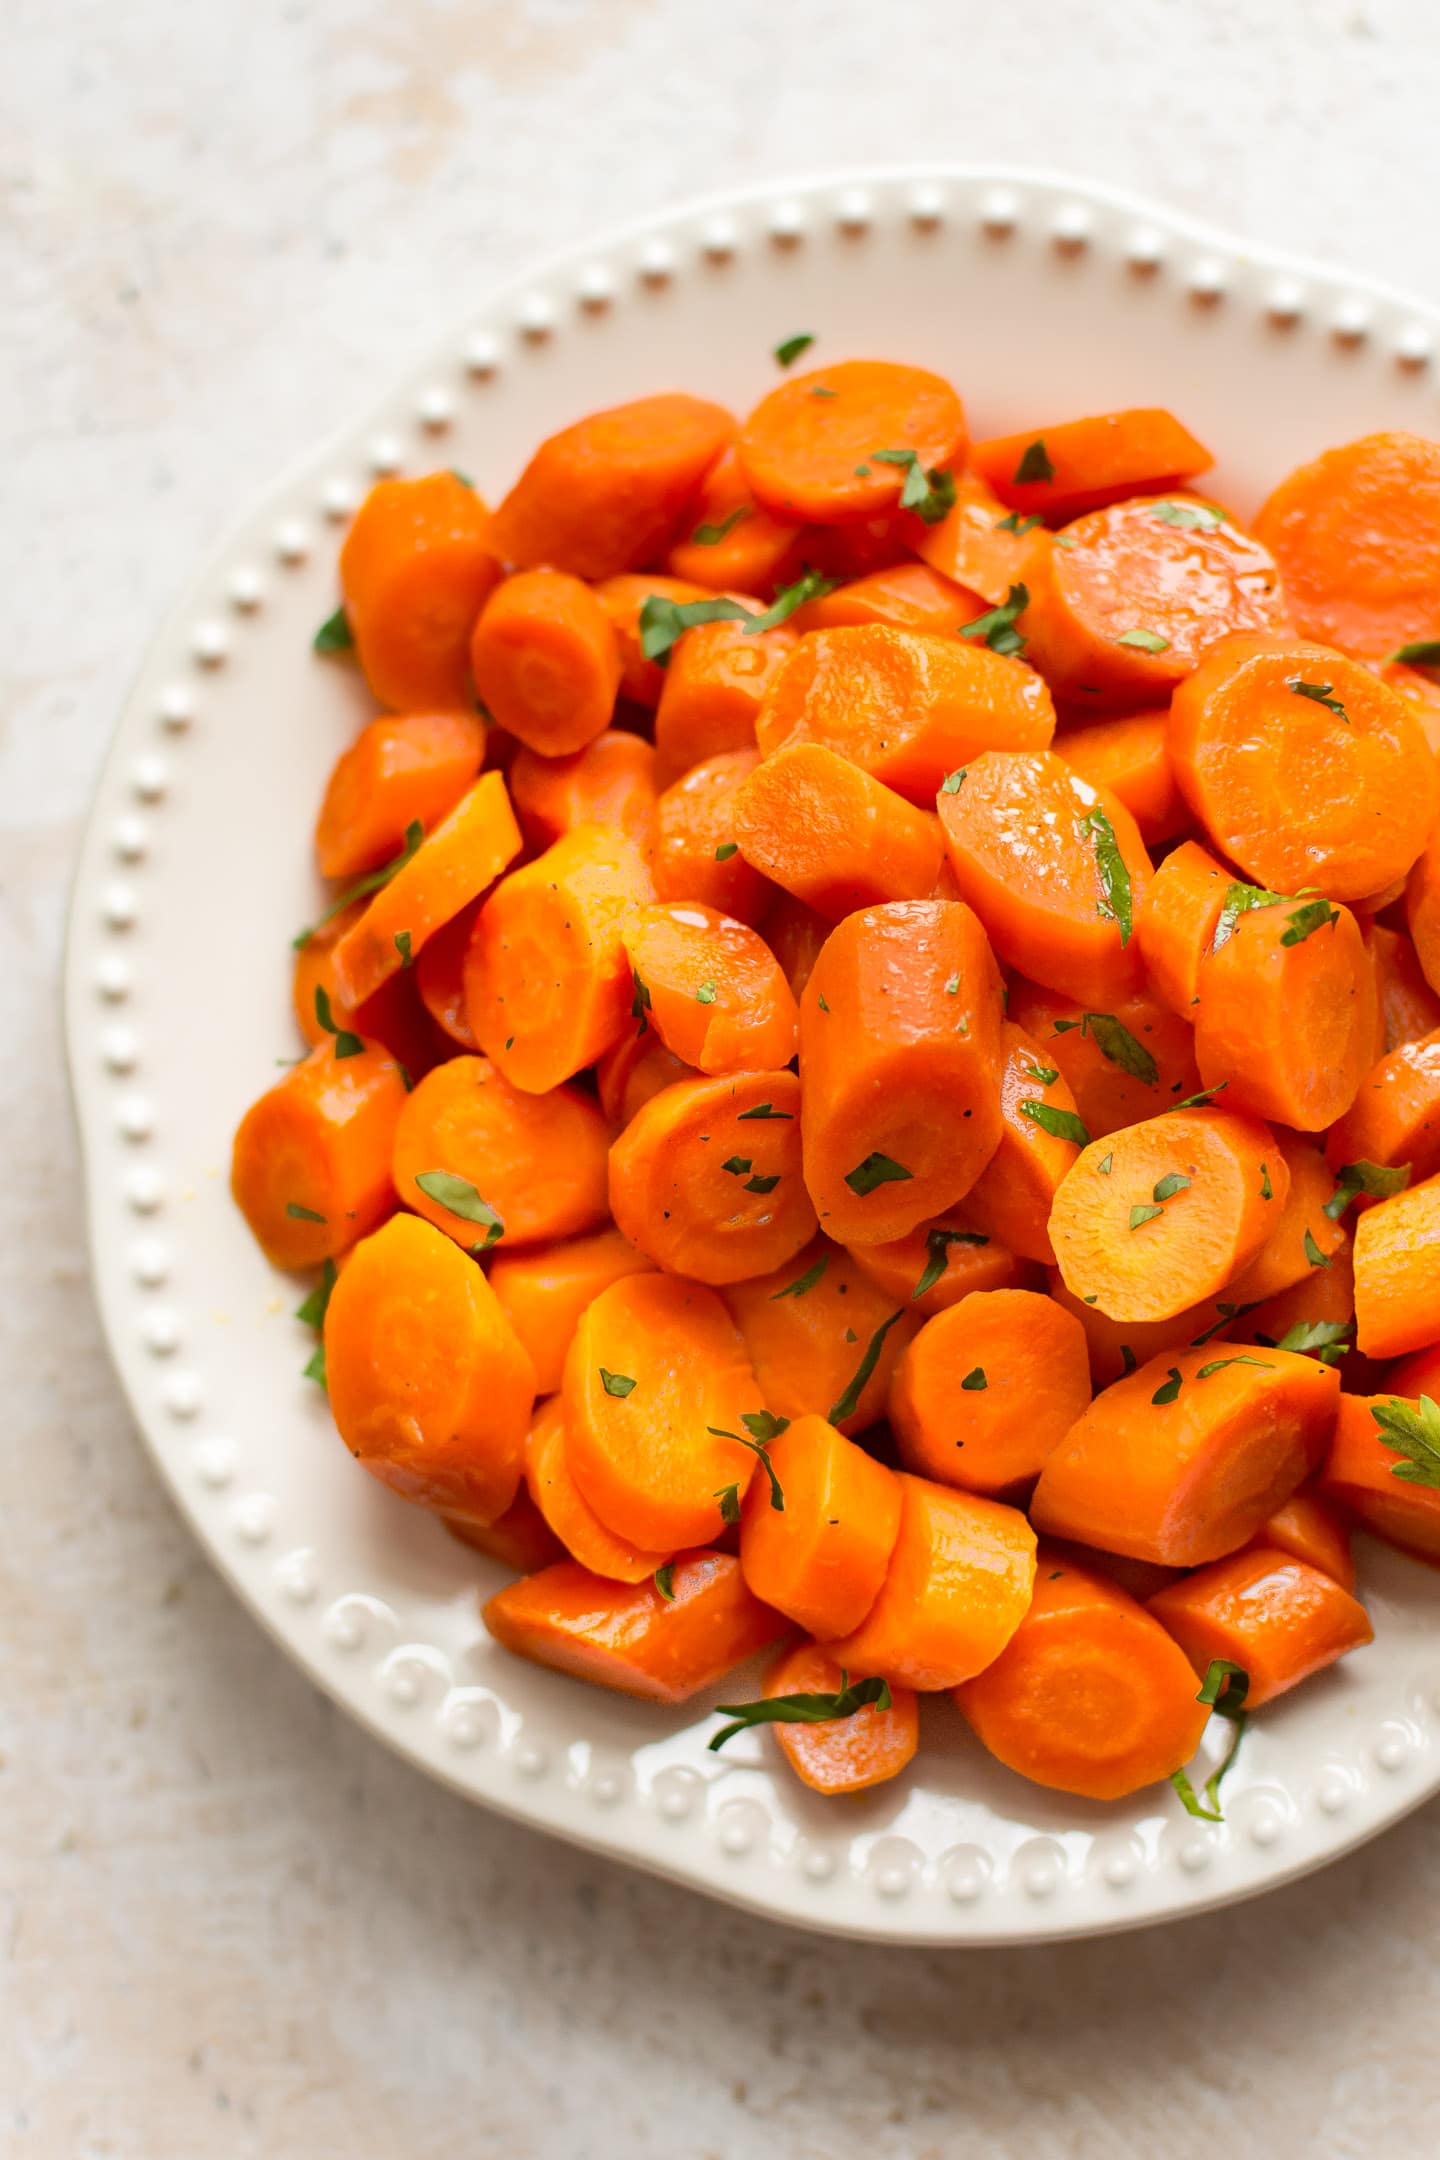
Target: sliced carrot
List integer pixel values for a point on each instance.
(833, 837)
(706, 1180)
(545, 661)
(1090, 1695)
(733, 544)
(610, 782)
(823, 1337)
(900, 1060)
(1409, 1007)
(462, 857)
(1117, 1346)
(906, 596)
(795, 934)
(1054, 868)
(1077, 465)
(860, 546)
(718, 677)
(524, 1166)
(630, 1637)
(1421, 692)
(622, 598)
(657, 1381)
(1422, 909)
(1286, 1021)
(394, 1017)
(310, 1168)
(1184, 1459)
(633, 1070)
(1276, 1617)
(1395, 1118)
(959, 1581)
(1302, 767)
(978, 543)
(1014, 1193)
(1326, 1295)
(801, 446)
(520, 1539)
(1157, 1216)
(566, 1510)
(399, 769)
(547, 983)
(440, 976)
(428, 1383)
(711, 988)
(1121, 1066)
(419, 561)
(612, 491)
(545, 1290)
(1130, 755)
(1302, 1236)
(1360, 1474)
(987, 1390)
(697, 856)
(1355, 534)
(1311, 1528)
(1397, 1283)
(908, 709)
(822, 1558)
(941, 1261)
(1139, 1579)
(845, 1754)
(1418, 1374)
(1175, 924)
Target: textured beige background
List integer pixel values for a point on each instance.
(230, 1924)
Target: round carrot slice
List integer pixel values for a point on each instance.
(1360, 1474)
(697, 856)
(906, 596)
(712, 988)
(1176, 925)
(833, 837)
(418, 563)
(610, 782)
(1313, 1529)
(715, 684)
(1276, 1617)
(310, 1164)
(544, 1291)
(440, 976)
(1409, 1007)
(732, 544)
(634, 1069)
(400, 768)
(822, 1557)
(1397, 1284)
(1356, 533)
(1120, 1066)
(622, 598)
(656, 1383)
(1040, 1139)
(508, 1164)
(1303, 768)
(823, 1338)
(1078, 465)
(706, 1177)
(1130, 755)
(845, 1754)
(545, 661)
(1302, 1236)
(941, 1261)
(566, 1510)
(987, 1389)
(800, 447)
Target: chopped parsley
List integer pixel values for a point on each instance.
(762, 1110)
(1376, 1179)
(347, 1042)
(334, 634)
(1014, 523)
(1189, 517)
(1413, 1433)
(1166, 1187)
(1034, 466)
(1168, 1389)
(726, 849)
(402, 946)
(1223, 1690)
(996, 627)
(804, 1282)
(818, 1709)
(363, 887)
(1114, 1041)
(937, 1255)
(1116, 903)
(712, 535)
(875, 1170)
(706, 994)
(616, 1383)
(1060, 1124)
(1143, 1212)
(930, 494)
(1319, 692)
(1145, 641)
(297, 1213)
(665, 1581)
(460, 1196)
(845, 1407)
(975, 1382)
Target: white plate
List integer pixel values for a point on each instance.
(1041, 299)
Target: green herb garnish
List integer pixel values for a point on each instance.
(363, 887)
(804, 1282)
(845, 1407)
(313, 1311)
(1060, 1124)
(937, 1255)
(1167, 1186)
(1143, 1213)
(347, 1042)
(334, 634)
(1145, 641)
(712, 535)
(1413, 1433)
(1169, 1388)
(790, 348)
(930, 494)
(460, 1196)
(1319, 692)
(302, 1214)
(975, 1382)
(802, 1709)
(996, 627)
(1190, 517)
(1034, 465)
(665, 1581)
(616, 1383)
(1112, 871)
(875, 1170)
(1223, 1690)
(1014, 523)
(1376, 1179)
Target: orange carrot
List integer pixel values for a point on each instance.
(940, 1262)
(1090, 1695)
(622, 598)
(1175, 924)
(1326, 1296)
(795, 934)
(711, 987)
(419, 561)
(1130, 756)
(844, 1754)
(1121, 1066)
(610, 782)
(440, 977)
(734, 545)
(821, 1558)
(978, 543)
(987, 1390)
(1420, 691)
(428, 1383)
(545, 661)
(310, 1169)
(544, 1291)
(1117, 1346)
(1397, 1284)
(823, 1338)
(1418, 1374)
(718, 676)
(1303, 1238)
(1355, 535)
(612, 491)
(906, 596)
(1395, 1118)
(398, 770)
(1014, 1193)
(1422, 910)
(832, 836)
(1311, 1528)
(1409, 1008)
(1077, 465)
(697, 856)
(633, 1070)
(1276, 1617)
(568, 1513)
(520, 1539)
(850, 441)
(394, 1017)
(1360, 1473)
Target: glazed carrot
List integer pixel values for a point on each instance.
(1420, 691)
(978, 543)
(1302, 767)
(1397, 1283)
(310, 1169)
(1276, 1617)
(1090, 1695)
(419, 562)
(1184, 1459)
(1116, 1347)
(1120, 1066)
(795, 934)
(832, 836)
(1326, 1296)
(622, 598)
(907, 596)
(545, 661)
(612, 491)
(734, 545)
(1176, 922)
(705, 1179)
(400, 768)
(520, 1539)
(1139, 1579)
(1130, 756)
(822, 1336)
(1395, 1118)
(959, 1581)
(440, 976)
(463, 855)
(719, 675)
(1418, 1374)
(657, 1383)
(394, 1017)
(907, 709)
(483, 1160)
(1286, 1018)
(1409, 1008)
(861, 546)
(610, 782)
(1054, 868)
(809, 449)
(544, 1291)
(547, 983)
(697, 856)
(629, 1636)
(1078, 465)
(634, 1069)
(822, 1558)
(1355, 535)
(1159, 1215)
(1311, 1528)
(1124, 601)
(1014, 1193)
(939, 1262)
(428, 1383)
(987, 1390)
(900, 1061)
(568, 1513)
(1303, 1238)
(711, 988)
(1422, 909)
(1360, 1474)
(845, 1754)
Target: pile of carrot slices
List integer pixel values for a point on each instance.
(874, 1071)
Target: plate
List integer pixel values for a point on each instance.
(1041, 297)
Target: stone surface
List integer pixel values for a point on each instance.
(229, 1923)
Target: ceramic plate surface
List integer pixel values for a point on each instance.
(1041, 299)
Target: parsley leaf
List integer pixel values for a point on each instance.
(1223, 1690)
(804, 1282)
(1218, 1365)
(729, 1499)
(1106, 1166)
(1267, 1190)
(706, 994)
(363, 887)
(1167, 1186)
(1313, 1253)
(818, 1709)
(1413, 1433)
(845, 1407)
(1112, 871)
(1145, 641)
(1060, 1124)
(1424, 652)
(937, 1255)
(1227, 1314)
(297, 1213)
(1239, 899)
(314, 1366)
(762, 1184)
(1169, 1388)
(1128, 1361)
(616, 1383)
(712, 535)
(1018, 525)
(640, 1003)
(665, 1581)
(875, 1170)
(762, 1110)
(402, 946)
(1189, 517)
(1114, 1041)
(460, 1196)
(313, 1311)
(1034, 465)
(663, 622)
(334, 634)
(726, 849)
(1376, 1179)
(1314, 915)
(953, 782)
(1199, 1101)
(930, 494)
(808, 586)
(1047, 1075)
(1325, 1336)
(975, 1382)
(996, 627)
(1319, 692)
(737, 1165)
(770, 1427)
(347, 1042)
(1143, 1213)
